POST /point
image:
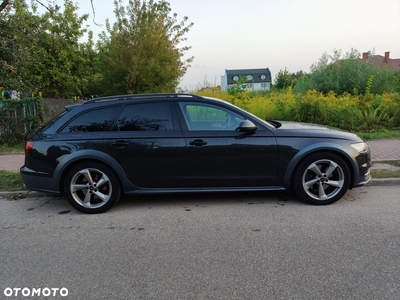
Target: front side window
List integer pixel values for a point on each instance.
(201, 116)
(93, 121)
(145, 117)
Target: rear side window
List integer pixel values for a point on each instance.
(93, 121)
(145, 117)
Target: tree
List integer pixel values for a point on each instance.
(347, 73)
(283, 79)
(325, 60)
(62, 63)
(298, 74)
(4, 4)
(44, 52)
(140, 53)
(51, 6)
(18, 39)
(239, 87)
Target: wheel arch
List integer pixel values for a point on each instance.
(323, 147)
(86, 156)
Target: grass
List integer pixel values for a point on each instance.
(383, 172)
(10, 182)
(6, 148)
(378, 135)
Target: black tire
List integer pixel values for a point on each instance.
(82, 189)
(321, 178)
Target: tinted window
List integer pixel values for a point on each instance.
(94, 120)
(201, 116)
(145, 117)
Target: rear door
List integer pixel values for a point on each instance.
(148, 143)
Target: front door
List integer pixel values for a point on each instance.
(219, 155)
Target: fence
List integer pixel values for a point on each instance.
(18, 117)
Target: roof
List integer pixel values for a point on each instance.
(383, 61)
(253, 75)
(140, 97)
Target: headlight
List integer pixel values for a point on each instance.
(360, 147)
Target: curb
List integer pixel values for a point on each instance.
(16, 195)
(384, 182)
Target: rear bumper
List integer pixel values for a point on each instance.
(41, 182)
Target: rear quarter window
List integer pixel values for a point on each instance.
(96, 120)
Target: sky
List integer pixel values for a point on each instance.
(274, 34)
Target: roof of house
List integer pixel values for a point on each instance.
(253, 75)
(384, 61)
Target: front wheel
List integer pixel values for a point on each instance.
(92, 188)
(321, 178)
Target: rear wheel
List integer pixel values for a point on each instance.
(321, 178)
(92, 188)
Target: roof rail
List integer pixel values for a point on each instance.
(136, 96)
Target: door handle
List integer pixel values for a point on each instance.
(198, 143)
(120, 144)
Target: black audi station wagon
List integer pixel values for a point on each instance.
(97, 151)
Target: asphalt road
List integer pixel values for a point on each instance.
(214, 246)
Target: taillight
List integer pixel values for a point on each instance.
(29, 146)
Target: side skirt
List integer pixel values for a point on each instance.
(205, 190)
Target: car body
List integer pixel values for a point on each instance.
(104, 148)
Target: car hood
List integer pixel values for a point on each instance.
(287, 128)
(304, 126)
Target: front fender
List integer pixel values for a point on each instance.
(321, 147)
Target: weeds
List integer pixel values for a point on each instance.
(356, 113)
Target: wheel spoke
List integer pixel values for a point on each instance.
(337, 184)
(101, 182)
(87, 175)
(331, 169)
(86, 201)
(78, 187)
(310, 183)
(321, 192)
(102, 197)
(314, 168)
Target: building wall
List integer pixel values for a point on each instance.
(258, 79)
(262, 86)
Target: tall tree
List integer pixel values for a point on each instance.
(18, 39)
(62, 62)
(141, 52)
(44, 52)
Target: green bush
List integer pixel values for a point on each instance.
(350, 76)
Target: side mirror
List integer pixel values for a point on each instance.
(247, 126)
